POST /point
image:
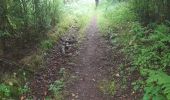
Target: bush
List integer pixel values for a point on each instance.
(4, 90)
(148, 47)
(47, 44)
(157, 86)
(9, 91)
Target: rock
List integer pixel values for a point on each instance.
(73, 95)
(117, 75)
(93, 80)
(76, 96)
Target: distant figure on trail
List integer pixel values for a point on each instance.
(97, 2)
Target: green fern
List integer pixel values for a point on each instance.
(157, 86)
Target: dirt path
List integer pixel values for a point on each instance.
(94, 63)
(92, 66)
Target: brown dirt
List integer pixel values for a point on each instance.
(54, 60)
(96, 62)
(91, 66)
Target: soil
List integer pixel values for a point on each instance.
(92, 66)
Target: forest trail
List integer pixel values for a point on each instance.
(88, 67)
(91, 66)
(84, 50)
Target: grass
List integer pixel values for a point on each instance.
(107, 87)
(56, 89)
(12, 86)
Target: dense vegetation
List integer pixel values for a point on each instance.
(23, 24)
(28, 29)
(142, 28)
(23, 21)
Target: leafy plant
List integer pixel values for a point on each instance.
(23, 89)
(4, 34)
(47, 44)
(4, 90)
(56, 89)
(157, 86)
(151, 52)
(146, 44)
(107, 87)
(138, 85)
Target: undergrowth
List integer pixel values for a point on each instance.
(56, 88)
(107, 87)
(147, 47)
(12, 86)
(70, 16)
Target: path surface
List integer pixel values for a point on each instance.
(92, 66)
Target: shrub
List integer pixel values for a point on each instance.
(157, 86)
(4, 90)
(47, 44)
(148, 47)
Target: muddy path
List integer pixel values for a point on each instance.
(91, 66)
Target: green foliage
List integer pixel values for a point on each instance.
(47, 44)
(151, 11)
(13, 87)
(11, 91)
(157, 86)
(111, 88)
(57, 86)
(56, 89)
(150, 49)
(27, 21)
(116, 19)
(118, 14)
(4, 90)
(23, 89)
(4, 34)
(147, 46)
(107, 87)
(137, 85)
